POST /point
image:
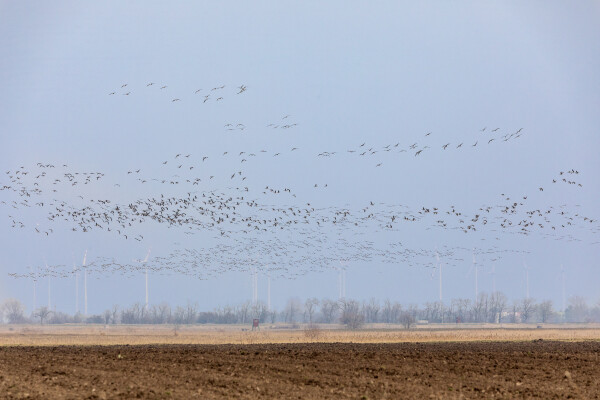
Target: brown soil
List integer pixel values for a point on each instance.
(538, 369)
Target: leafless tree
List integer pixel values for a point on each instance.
(386, 311)
(351, 314)
(244, 311)
(329, 309)
(191, 311)
(292, 308)
(545, 310)
(163, 313)
(407, 319)
(14, 311)
(107, 314)
(479, 309)
(497, 306)
(42, 313)
(514, 312)
(578, 309)
(527, 308)
(372, 310)
(179, 315)
(115, 313)
(310, 306)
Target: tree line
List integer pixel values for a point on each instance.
(488, 308)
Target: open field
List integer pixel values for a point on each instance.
(35, 335)
(451, 370)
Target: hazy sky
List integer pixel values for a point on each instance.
(346, 73)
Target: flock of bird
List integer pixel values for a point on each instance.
(265, 227)
(213, 94)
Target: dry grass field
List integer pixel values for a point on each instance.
(36, 335)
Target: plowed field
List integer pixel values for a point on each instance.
(538, 369)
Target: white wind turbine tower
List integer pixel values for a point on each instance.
(34, 274)
(146, 273)
(34, 299)
(476, 277)
(564, 303)
(49, 298)
(269, 292)
(85, 303)
(76, 288)
(439, 265)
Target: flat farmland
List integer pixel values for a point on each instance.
(35, 335)
(445, 370)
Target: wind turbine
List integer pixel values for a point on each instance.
(34, 274)
(76, 288)
(49, 298)
(476, 278)
(146, 272)
(85, 303)
(269, 292)
(439, 265)
(564, 303)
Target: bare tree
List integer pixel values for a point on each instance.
(14, 311)
(163, 313)
(292, 308)
(310, 306)
(115, 313)
(479, 309)
(527, 308)
(191, 311)
(578, 309)
(372, 310)
(497, 306)
(329, 309)
(545, 310)
(460, 309)
(386, 311)
(42, 313)
(243, 311)
(179, 315)
(107, 314)
(407, 319)
(351, 315)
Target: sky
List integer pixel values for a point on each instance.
(322, 79)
